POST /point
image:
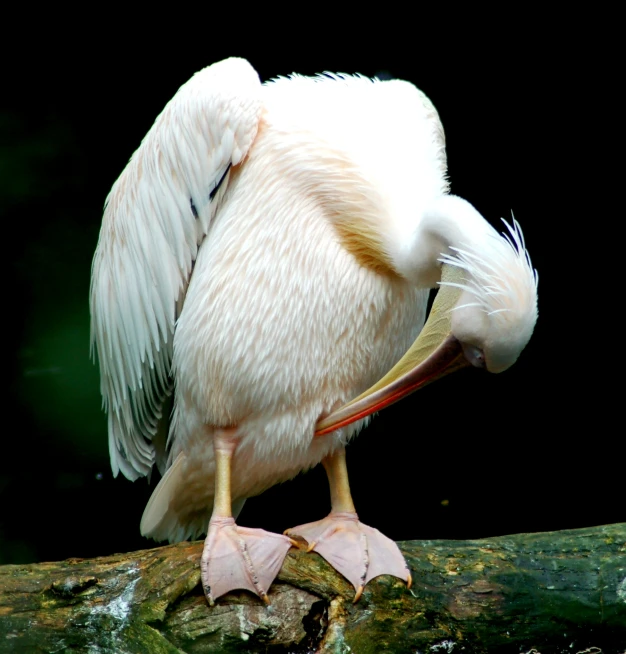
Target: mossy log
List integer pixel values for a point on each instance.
(549, 592)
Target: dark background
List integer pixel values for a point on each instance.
(474, 455)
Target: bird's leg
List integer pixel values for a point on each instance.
(357, 551)
(233, 556)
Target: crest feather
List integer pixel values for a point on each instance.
(501, 278)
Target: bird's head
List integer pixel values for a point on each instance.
(484, 315)
(496, 311)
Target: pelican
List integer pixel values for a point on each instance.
(260, 288)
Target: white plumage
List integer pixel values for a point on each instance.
(264, 258)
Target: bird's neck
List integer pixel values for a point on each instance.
(446, 223)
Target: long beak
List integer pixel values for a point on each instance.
(435, 353)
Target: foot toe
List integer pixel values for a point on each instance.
(355, 550)
(240, 558)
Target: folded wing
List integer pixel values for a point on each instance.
(155, 219)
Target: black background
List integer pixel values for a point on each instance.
(474, 455)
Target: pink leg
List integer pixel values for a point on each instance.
(357, 551)
(236, 557)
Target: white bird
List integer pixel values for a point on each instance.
(265, 258)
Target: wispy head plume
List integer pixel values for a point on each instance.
(500, 278)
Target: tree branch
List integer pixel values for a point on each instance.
(548, 592)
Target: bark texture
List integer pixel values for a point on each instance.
(541, 593)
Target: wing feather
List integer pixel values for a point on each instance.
(155, 219)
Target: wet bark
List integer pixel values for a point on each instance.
(550, 592)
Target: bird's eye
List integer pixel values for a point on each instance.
(474, 355)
